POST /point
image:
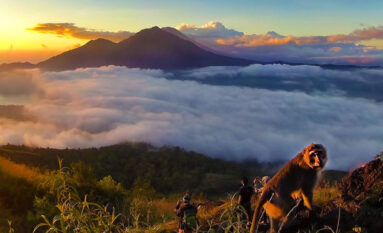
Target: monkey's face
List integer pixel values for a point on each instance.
(316, 157)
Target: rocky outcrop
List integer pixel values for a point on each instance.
(362, 195)
(358, 209)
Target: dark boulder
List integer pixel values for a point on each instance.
(362, 182)
(362, 195)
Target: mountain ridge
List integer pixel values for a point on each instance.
(149, 48)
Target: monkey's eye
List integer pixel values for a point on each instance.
(314, 153)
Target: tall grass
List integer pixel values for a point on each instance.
(75, 214)
(79, 215)
(325, 193)
(19, 170)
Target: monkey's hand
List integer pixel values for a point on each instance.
(296, 197)
(307, 202)
(307, 196)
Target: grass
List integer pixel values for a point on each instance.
(19, 170)
(78, 214)
(325, 194)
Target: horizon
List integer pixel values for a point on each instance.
(296, 32)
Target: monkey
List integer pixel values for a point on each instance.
(295, 180)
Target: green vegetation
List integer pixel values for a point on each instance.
(140, 181)
(170, 170)
(122, 188)
(325, 193)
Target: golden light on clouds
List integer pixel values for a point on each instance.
(365, 34)
(70, 30)
(335, 49)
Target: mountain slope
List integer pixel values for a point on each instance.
(183, 36)
(149, 48)
(93, 54)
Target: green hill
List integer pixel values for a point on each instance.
(169, 169)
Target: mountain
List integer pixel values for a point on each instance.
(149, 48)
(16, 65)
(93, 54)
(183, 36)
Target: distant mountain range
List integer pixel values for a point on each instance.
(154, 48)
(16, 65)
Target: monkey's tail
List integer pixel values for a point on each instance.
(268, 194)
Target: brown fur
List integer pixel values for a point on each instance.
(295, 180)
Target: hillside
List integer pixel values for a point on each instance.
(170, 170)
(143, 183)
(136, 179)
(150, 48)
(109, 175)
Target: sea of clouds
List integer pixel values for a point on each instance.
(102, 106)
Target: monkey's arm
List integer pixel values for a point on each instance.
(265, 196)
(307, 195)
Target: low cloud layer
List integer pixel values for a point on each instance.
(314, 80)
(71, 30)
(16, 84)
(103, 106)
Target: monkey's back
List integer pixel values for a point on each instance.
(290, 178)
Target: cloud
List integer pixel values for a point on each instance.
(15, 112)
(108, 105)
(335, 49)
(270, 39)
(308, 54)
(71, 30)
(19, 83)
(313, 80)
(271, 46)
(212, 30)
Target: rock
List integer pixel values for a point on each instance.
(361, 182)
(362, 196)
(370, 218)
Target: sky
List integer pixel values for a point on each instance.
(297, 18)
